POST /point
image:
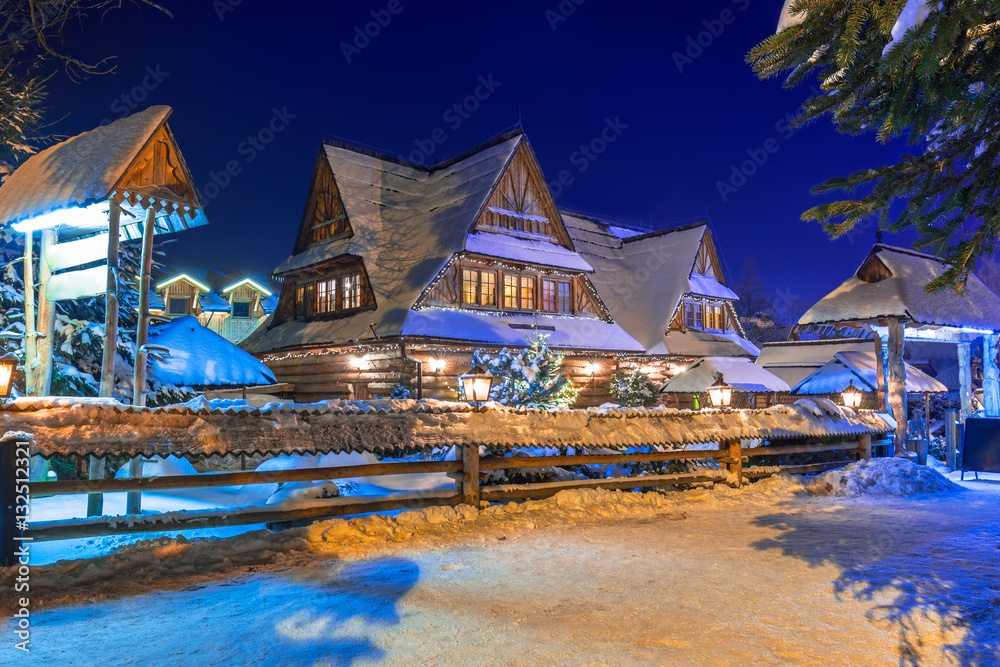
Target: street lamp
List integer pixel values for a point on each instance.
(8, 363)
(851, 396)
(720, 393)
(476, 386)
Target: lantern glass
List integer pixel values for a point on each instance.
(7, 366)
(720, 393)
(852, 397)
(476, 386)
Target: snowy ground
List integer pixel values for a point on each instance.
(765, 575)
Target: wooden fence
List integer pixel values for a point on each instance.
(468, 471)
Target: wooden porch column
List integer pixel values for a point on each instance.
(41, 376)
(880, 376)
(991, 375)
(897, 383)
(964, 380)
(95, 501)
(133, 503)
(30, 341)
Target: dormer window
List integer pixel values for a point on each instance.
(704, 316)
(241, 309)
(694, 315)
(479, 288)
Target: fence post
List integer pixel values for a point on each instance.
(470, 475)
(11, 532)
(951, 439)
(865, 447)
(735, 461)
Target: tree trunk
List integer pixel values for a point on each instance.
(897, 383)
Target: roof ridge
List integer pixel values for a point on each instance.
(664, 232)
(907, 251)
(428, 169)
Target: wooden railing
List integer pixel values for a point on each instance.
(468, 471)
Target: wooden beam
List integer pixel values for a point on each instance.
(795, 469)
(470, 475)
(991, 375)
(544, 489)
(133, 504)
(964, 379)
(779, 450)
(30, 353)
(214, 480)
(42, 373)
(880, 375)
(95, 502)
(897, 383)
(344, 506)
(515, 462)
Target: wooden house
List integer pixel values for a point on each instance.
(232, 304)
(400, 271)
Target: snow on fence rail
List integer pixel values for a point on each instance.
(71, 427)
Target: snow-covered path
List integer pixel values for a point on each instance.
(710, 579)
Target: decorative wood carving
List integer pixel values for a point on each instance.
(324, 218)
(158, 178)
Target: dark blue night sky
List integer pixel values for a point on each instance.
(684, 113)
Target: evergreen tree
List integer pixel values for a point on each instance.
(632, 389)
(923, 69)
(528, 377)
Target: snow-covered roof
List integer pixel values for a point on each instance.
(84, 170)
(710, 287)
(792, 361)
(214, 303)
(642, 278)
(902, 295)
(535, 251)
(576, 333)
(408, 222)
(740, 373)
(203, 427)
(860, 369)
(199, 357)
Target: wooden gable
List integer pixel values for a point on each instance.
(324, 218)
(159, 175)
(521, 202)
(873, 270)
(707, 263)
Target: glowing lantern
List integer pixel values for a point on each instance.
(437, 365)
(720, 393)
(8, 363)
(476, 386)
(851, 396)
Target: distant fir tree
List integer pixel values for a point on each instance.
(529, 377)
(632, 389)
(923, 69)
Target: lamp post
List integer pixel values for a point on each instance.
(476, 385)
(8, 363)
(851, 396)
(720, 393)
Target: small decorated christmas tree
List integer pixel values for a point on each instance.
(632, 389)
(528, 377)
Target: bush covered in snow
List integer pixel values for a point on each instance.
(886, 476)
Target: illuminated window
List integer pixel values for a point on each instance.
(241, 309)
(714, 319)
(350, 291)
(527, 293)
(488, 289)
(470, 286)
(326, 296)
(509, 291)
(305, 301)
